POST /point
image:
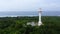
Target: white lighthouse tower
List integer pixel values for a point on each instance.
(39, 22)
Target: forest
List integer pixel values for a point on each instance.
(17, 25)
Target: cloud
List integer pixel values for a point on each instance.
(29, 5)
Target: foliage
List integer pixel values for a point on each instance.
(17, 25)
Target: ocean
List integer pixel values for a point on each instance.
(28, 13)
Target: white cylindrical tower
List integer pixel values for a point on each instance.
(40, 11)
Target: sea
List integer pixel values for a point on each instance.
(28, 13)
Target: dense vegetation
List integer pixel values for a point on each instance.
(17, 25)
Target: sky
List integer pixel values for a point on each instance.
(29, 5)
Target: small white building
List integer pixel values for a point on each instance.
(32, 23)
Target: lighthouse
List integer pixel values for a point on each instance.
(39, 22)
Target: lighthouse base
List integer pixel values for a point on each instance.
(39, 23)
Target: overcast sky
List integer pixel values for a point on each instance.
(29, 5)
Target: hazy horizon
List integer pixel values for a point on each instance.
(29, 13)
